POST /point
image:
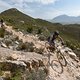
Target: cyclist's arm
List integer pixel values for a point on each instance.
(61, 39)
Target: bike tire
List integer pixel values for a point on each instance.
(61, 59)
(57, 66)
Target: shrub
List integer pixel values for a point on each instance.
(1, 73)
(17, 74)
(23, 46)
(36, 75)
(16, 38)
(40, 51)
(8, 42)
(26, 47)
(10, 58)
(46, 71)
(42, 37)
(69, 44)
(29, 29)
(39, 31)
(2, 32)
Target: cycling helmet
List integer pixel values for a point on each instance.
(56, 32)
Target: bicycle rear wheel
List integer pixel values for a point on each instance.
(61, 59)
(57, 66)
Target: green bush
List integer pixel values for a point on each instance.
(29, 47)
(36, 75)
(1, 72)
(42, 37)
(2, 32)
(16, 38)
(33, 75)
(16, 75)
(69, 44)
(39, 51)
(8, 42)
(39, 31)
(29, 29)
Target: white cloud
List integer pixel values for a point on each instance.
(37, 1)
(47, 1)
(4, 6)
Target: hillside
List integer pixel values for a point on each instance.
(25, 57)
(17, 18)
(27, 24)
(64, 19)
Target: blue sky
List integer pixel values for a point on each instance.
(45, 9)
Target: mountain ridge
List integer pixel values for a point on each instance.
(15, 13)
(65, 19)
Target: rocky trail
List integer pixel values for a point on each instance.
(35, 60)
(26, 38)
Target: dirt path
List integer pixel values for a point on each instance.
(26, 38)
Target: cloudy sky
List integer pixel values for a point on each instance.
(45, 9)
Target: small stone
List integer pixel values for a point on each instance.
(77, 77)
(10, 47)
(16, 42)
(1, 78)
(3, 45)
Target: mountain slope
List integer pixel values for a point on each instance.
(20, 20)
(16, 18)
(64, 19)
(24, 22)
(13, 13)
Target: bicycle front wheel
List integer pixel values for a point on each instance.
(61, 59)
(57, 66)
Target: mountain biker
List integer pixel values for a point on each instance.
(52, 39)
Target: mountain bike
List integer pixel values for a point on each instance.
(56, 64)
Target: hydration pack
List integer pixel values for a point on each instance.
(49, 38)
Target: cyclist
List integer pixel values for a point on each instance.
(52, 39)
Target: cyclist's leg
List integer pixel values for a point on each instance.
(52, 46)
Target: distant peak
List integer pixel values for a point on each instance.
(64, 15)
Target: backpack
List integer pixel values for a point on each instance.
(49, 38)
